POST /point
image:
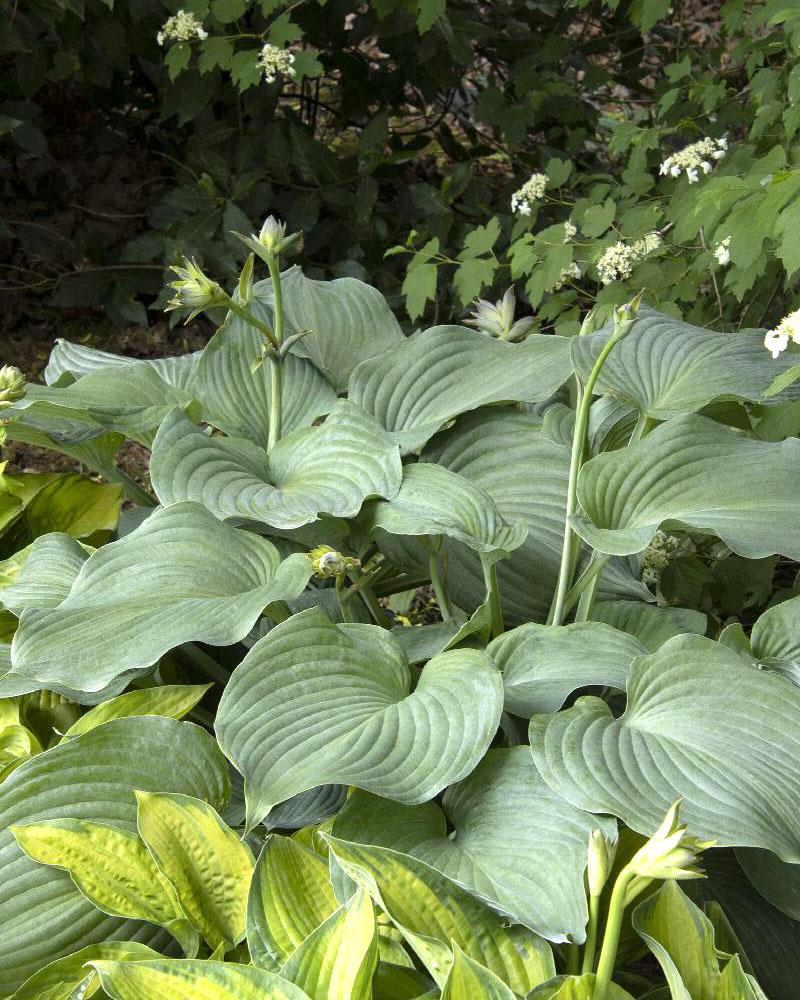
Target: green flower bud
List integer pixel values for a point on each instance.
(12, 386)
(625, 316)
(670, 852)
(272, 241)
(194, 290)
(327, 562)
(602, 850)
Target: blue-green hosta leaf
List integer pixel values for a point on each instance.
(329, 469)
(423, 383)
(515, 843)
(306, 808)
(776, 881)
(182, 576)
(92, 777)
(666, 367)
(694, 471)
(191, 979)
(776, 634)
(681, 937)
(337, 960)
(435, 501)
(650, 624)
(469, 980)
(347, 319)
(315, 703)
(431, 911)
(60, 979)
(543, 664)
(170, 701)
(700, 724)
(53, 563)
(207, 864)
(290, 896)
(77, 360)
(236, 399)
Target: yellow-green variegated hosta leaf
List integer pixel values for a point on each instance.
(181, 576)
(111, 867)
(514, 842)
(61, 979)
(205, 861)
(694, 471)
(369, 728)
(190, 979)
(171, 701)
(701, 724)
(92, 778)
(420, 385)
(330, 469)
(665, 367)
(290, 896)
(53, 562)
(432, 912)
(338, 960)
(576, 988)
(469, 980)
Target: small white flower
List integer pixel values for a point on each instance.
(181, 27)
(777, 340)
(722, 252)
(571, 273)
(275, 61)
(531, 191)
(691, 174)
(618, 261)
(697, 156)
(570, 231)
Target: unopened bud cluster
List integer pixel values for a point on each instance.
(618, 261)
(12, 386)
(327, 562)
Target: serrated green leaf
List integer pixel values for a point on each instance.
(177, 59)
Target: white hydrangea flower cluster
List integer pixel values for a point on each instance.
(691, 159)
(571, 273)
(618, 260)
(531, 191)
(275, 61)
(570, 231)
(181, 27)
(777, 340)
(722, 252)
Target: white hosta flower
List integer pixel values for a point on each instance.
(602, 850)
(275, 61)
(571, 273)
(722, 252)
(570, 231)
(670, 852)
(618, 261)
(194, 290)
(497, 319)
(694, 158)
(777, 340)
(531, 191)
(181, 27)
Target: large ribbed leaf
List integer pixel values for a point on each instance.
(92, 777)
(543, 664)
(652, 625)
(315, 703)
(700, 724)
(181, 576)
(171, 701)
(419, 386)
(237, 399)
(53, 562)
(697, 472)
(59, 979)
(431, 912)
(504, 452)
(775, 636)
(778, 882)
(435, 501)
(515, 843)
(190, 979)
(329, 469)
(666, 367)
(338, 959)
(290, 896)
(347, 321)
(469, 980)
(77, 360)
(203, 859)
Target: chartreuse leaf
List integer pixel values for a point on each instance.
(347, 321)
(666, 367)
(338, 960)
(543, 664)
(111, 867)
(515, 843)
(330, 469)
(60, 979)
(700, 724)
(469, 980)
(431, 911)
(736, 984)
(576, 988)
(190, 979)
(181, 576)
(53, 562)
(290, 896)
(370, 729)
(172, 701)
(681, 937)
(421, 384)
(237, 399)
(695, 471)
(91, 778)
(204, 860)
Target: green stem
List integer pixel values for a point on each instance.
(591, 935)
(341, 594)
(275, 360)
(587, 577)
(573, 959)
(246, 316)
(608, 953)
(438, 586)
(493, 597)
(367, 594)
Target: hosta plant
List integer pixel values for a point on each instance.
(579, 779)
